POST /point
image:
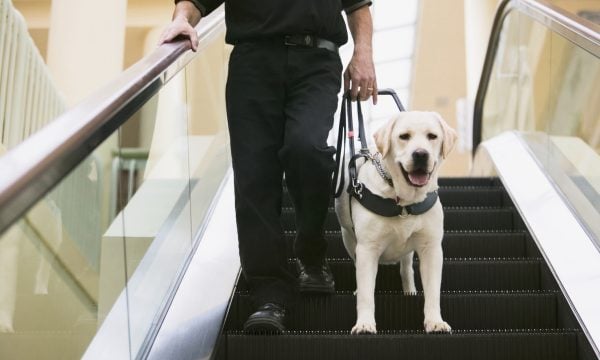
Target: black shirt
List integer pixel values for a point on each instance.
(260, 19)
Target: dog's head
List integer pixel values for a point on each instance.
(413, 145)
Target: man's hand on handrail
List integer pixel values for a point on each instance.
(185, 17)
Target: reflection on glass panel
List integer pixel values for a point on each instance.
(549, 88)
(575, 93)
(571, 120)
(152, 222)
(50, 267)
(207, 129)
(501, 102)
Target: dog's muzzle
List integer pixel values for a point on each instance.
(419, 175)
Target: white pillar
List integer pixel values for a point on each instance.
(85, 44)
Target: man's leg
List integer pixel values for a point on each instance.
(255, 98)
(315, 80)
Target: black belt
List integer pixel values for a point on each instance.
(309, 41)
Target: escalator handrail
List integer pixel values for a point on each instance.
(581, 32)
(31, 169)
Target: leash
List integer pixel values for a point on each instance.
(372, 202)
(346, 128)
(346, 123)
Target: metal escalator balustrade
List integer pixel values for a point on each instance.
(89, 259)
(497, 293)
(538, 114)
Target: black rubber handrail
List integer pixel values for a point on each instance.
(34, 167)
(579, 31)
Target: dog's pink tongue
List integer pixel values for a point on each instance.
(418, 178)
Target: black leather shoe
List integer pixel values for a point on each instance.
(315, 279)
(268, 318)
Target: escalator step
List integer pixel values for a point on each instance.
(455, 244)
(458, 274)
(469, 181)
(396, 311)
(454, 196)
(454, 219)
(494, 295)
(546, 345)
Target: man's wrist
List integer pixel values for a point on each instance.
(187, 11)
(182, 18)
(362, 50)
(193, 4)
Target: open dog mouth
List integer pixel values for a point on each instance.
(417, 177)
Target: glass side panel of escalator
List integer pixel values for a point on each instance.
(89, 271)
(548, 88)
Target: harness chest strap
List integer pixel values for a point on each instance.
(388, 207)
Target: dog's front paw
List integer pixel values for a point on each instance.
(437, 326)
(364, 328)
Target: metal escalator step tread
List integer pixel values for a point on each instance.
(457, 275)
(449, 182)
(454, 219)
(454, 196)
(493, 345)
(469, 181)
(455, 244)
(396, 311)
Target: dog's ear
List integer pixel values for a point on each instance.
(383, 136)
(450, 137)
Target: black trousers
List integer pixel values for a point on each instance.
(280, 106)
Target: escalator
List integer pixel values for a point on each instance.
(498, 295)
(155, 274)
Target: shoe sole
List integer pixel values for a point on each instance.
(263, 326)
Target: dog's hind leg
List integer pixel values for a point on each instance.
(349, 239)
(408, 274)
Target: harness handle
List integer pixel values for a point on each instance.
(346, 123)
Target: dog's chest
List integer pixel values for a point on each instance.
(400, 240)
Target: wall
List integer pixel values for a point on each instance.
(439, 77)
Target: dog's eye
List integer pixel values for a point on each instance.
(405, 136)
(432, 136)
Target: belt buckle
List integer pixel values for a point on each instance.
(287, 41)
(301, 40)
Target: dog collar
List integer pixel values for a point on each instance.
(376, 159)
(389, 207)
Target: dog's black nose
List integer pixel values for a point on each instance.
(420, 157)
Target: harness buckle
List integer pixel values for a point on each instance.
(357, 187)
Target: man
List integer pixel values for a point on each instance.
(284, 77)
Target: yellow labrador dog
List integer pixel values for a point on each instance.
(412, 146)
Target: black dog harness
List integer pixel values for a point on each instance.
(379, 205)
